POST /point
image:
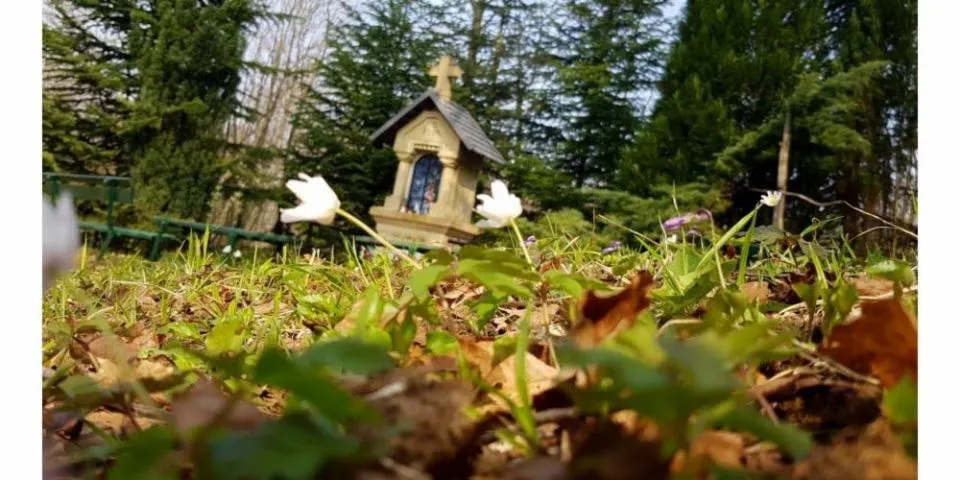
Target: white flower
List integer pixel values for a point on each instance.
(771, 198)
(61, 239)
(318, 202)
(672, 238)
(236, 254)
(499, 209)
(226, 250)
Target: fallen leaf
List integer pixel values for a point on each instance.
(711, 448)
(881, 343)
(870, 452)
(202, 404)
(153, 369)
(601, 317)
(112, 348)
(872, 287)
(540, 376)
(118, 423)
(758, 292)
(107, 373)
(430, 415)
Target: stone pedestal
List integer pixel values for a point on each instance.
(426, 229)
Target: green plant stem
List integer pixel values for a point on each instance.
(523, 247)
(716, 256)
(356, 221)
(744, 251)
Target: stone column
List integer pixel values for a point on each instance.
(446, 197)
(401, 182)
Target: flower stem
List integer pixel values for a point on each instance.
(523, 246)
(356, 221)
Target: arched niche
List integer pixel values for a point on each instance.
(424, 184)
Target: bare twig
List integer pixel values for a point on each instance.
(850, 205)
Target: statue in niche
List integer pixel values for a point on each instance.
(424, 185)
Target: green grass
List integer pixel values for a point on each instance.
(286, 334)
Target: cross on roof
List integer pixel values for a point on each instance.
(444, 70)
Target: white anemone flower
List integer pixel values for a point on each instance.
(61, 239)
(771, 198)
(237, 254)
(498, 209)
(226, 250)
(672, 239)
(318, 202)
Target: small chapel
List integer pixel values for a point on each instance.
(440, 152)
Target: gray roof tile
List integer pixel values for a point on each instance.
(458, 117)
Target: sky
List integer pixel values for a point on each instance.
(674, 8)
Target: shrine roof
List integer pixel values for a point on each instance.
(463, 124)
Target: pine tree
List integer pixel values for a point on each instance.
(144, 89)
(501, 46)
(607, 52)
(820, 116)
(378, 62)
(731, 68)
(871, 30)
(189, 62)
(88, 83)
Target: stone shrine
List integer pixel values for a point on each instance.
(440, 152)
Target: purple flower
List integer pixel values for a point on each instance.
(613, 247)
(675, 223)
(530, 241)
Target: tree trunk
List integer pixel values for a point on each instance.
(783, 168)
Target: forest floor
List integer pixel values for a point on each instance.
(678, 361)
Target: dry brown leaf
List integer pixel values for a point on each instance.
(601, 317)
(154, 369)
(107, 372)
(202, 404)
(113, 348)
(881, 343)
(859, 453)
(119, 423)
(756, 292)
(430, 413)
(872, 287)
(711, 448)
(540, 376)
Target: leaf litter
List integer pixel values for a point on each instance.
(435, 423)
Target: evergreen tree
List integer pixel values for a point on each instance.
(502, 45)
(823, 115)
(88, 84)
(607, 52)
(378, 61)
(878, 30)
(143, 89)
(732, 67)
(189, 59)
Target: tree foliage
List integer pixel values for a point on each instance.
(377, 62)
(144, 89)
(582, 96)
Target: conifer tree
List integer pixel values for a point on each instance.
(607, 53)
(378, 61)
(144, 89)
(189, 61)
